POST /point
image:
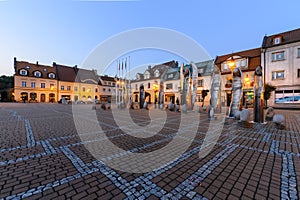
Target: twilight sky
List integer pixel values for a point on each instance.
(67, 32)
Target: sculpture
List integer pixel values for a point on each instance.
(237, 92)
(258, 87)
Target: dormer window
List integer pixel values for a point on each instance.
(51, 75)
(277, 40)
(23, 72)
(37, 74)
(170, 76)
(138, 77)
(147, 75)
(27, 67)
(156, 73)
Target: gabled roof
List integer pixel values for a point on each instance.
(65, 73)
(287, 37)
(86, 76)
(162, 68)
(253, 55)
(105, 78)
(31, 68)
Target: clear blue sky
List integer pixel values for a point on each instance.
(65, 31)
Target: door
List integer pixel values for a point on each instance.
(43, 97)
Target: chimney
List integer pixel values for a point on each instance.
(54, 64)
(37, 62)
(15, 64)
(149, 67)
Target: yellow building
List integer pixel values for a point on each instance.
(35, 82)
(41, 83)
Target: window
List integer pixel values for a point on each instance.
(277, 40)
(68, 88)
(96, 89)
(37, 74)
(76, 88)
(200, 71)
(169, 86)
(52, 86)
(51, 75)
(27, 67)
(225, 67)
(298, 53)
(23, 72)
(103, 89)
(156, 73)
(23, 83)
(146, 75)
(278, 56)
(136, 86)
(298, 73)
(109, 90)
(149, 85)
(170, 76)
(200, 83)
(62, 87)
(43, 85)
(277, 75)
(33, 84)
(83, 89)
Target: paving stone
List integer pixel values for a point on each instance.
(42, 157)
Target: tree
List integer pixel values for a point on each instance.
(204, 94)
(267, 93)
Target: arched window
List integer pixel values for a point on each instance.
(37, 74)
(51, 75)
(23, 72)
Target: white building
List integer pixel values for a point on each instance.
(281, 63)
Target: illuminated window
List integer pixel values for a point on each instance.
(62, 87)
(51, 86)
(277, 75)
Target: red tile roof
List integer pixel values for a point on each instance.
(287, 37)
(31, 68)
(253, 55)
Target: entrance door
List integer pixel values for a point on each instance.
(228, 98)
(43, 97)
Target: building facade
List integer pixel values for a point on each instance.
(147, 85)
(42, 83)
(281, 63)
(247, 61)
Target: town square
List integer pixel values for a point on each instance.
(138, 99)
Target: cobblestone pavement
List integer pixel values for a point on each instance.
(42, 156)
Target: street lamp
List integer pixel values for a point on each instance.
(155, 89)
